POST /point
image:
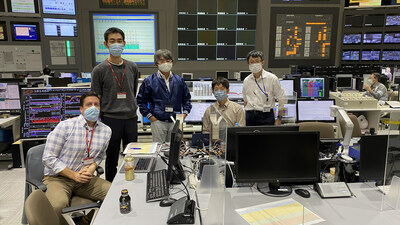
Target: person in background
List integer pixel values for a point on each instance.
(116, 81)
(375, 88)
(72, 153)
(260, 90)
(231, 111)
(162, 95)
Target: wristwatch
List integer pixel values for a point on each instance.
(279, 117)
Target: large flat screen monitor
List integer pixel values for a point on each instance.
(232, 131)
(44, 108)
(315, 111)
(373, 151)
(25, 31)
(60, 27)
(140, 35)
(372, 38)
(290, 157)
(350, 55)
(312, 87)
(62, 7)
(393, 20)
(288, 86)
(351, 39)
(370, 55)
(23, 6)
(377, 20)
(391, 38)
(9, 95)
(353, 21)
(196, 115)
(344, 81)
(390, 55)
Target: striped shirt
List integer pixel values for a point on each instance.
(66, 145)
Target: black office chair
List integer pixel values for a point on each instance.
(34, 174)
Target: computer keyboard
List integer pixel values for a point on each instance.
(142, 164)
(157, 186)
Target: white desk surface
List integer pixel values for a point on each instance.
(6, 122)
(142, 212)
(363, 209)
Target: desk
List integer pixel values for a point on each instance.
(144, 134)
(142, 212)
(363, 209)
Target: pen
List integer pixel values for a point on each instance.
(136, 148)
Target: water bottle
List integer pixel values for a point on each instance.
(129, 170)
(125, 202)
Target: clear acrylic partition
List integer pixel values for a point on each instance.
(211, 189)
(289, 108)
(391, 183)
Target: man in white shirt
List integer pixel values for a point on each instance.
(260, 89)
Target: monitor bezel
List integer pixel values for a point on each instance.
(12, 23)
(318, 120)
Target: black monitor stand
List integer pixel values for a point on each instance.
(274, 189)
(177, 174)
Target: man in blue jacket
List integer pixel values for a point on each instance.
(166, 94)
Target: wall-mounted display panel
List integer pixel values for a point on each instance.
(2, 8)
(20, 58)
(351, 39)
(23, 6)
(350, 55)
(370, 55)
(372, 38)
(377, 20)
(23, 31)
(216, 30)
(60, 27)
(140, 35)
(299, 36)
(390, 55)
(392, 20)
(62, 52)
(62, 7)
(353, 21)
(142, 4)
(391, 38)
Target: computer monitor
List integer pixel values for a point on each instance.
(244, 74)
(392, 20)
(377, 20)
(353, 21)
(60, 27)
(373, 150)
(73, 76)
(232, 131)
(312, 87)
(350, 55)
(43, 108)
(141, 35)
(61, 7)
(196, 115)
(390, 55)
(344, 81)
(370, 55)
(388, 71)
(372, 38)
(86, 75)
(23, 6)
(275, 157)
(175, 173)
(288, 86)
(187, 76)
(224, 74)
(309, 110)
(391, 38)
(351, 39)
(23, 31)
(202, 90)
(9, 95)
(235, 90)
(59, 82)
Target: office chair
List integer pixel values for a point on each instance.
(325, 129)
(34, 174)
(39, 211)
(356, 129)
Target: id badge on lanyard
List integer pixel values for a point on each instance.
(88, 160)
(121, 95)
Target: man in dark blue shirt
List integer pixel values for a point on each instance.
(166, 94)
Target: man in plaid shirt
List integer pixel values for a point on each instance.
(73, 151)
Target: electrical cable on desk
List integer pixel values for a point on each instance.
(321, 173)
(188, 168)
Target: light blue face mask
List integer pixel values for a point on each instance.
(92, 114)
(116, 49)
(220, 95)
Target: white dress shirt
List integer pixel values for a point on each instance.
(166, 80)
(255, 95)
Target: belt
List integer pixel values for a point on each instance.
(257, 111)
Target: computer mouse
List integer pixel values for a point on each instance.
(303, 193)
(167, 202)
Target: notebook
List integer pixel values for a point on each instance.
(144, 154)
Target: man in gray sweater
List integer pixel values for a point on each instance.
(116, 81)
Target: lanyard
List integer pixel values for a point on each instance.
(263, 91)
(115, 76)
(90, 143)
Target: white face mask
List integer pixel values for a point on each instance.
(165, 67)
(255, 67)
